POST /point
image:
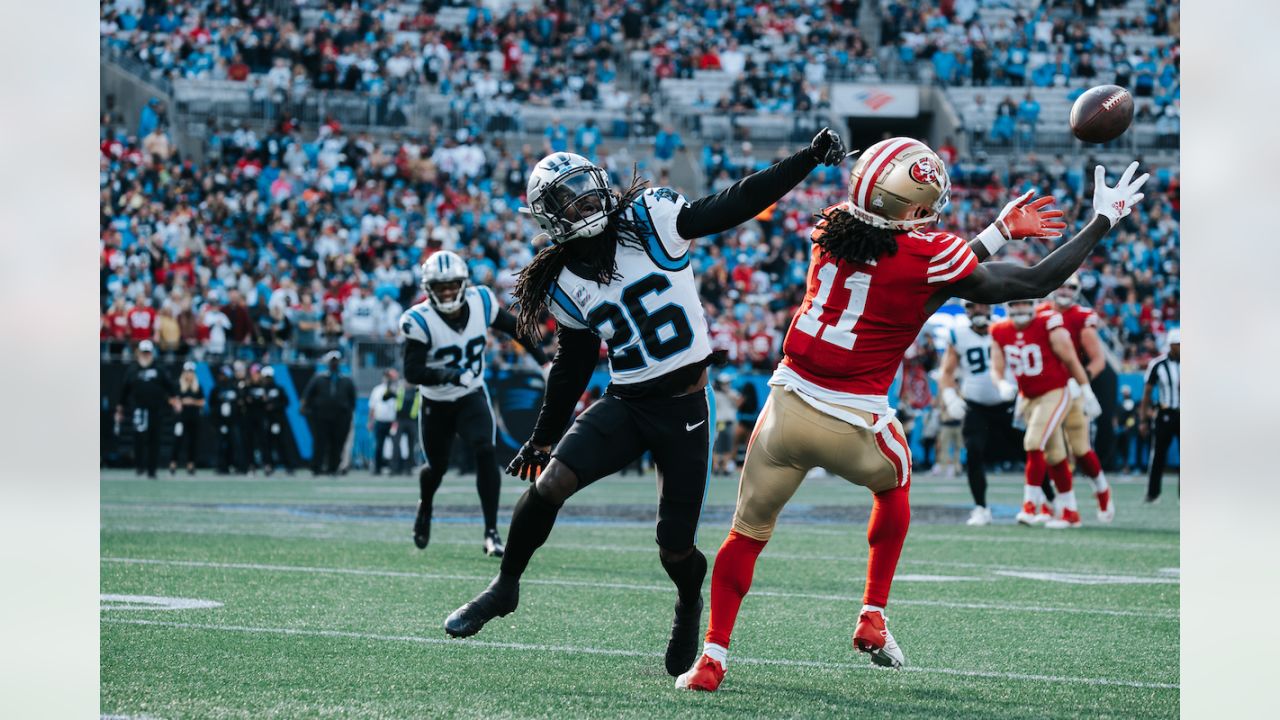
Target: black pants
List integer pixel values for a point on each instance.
(470, 418)
(146, 439)
(986, 432)
(1105, 387)
(381, 431)
(1165, 429)
(277, 451)
(186, 447)
(230, 447)
(330, 434)
(677, 432)
(403, 463)
(254, 429)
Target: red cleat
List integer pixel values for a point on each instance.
(706, 674)
(872, 637)
(1106, 508)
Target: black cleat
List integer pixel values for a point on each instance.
(493, 546)
(422, 527)
(498, 600)
(682, 648)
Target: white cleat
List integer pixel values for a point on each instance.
(1028, 514)
(979, 517)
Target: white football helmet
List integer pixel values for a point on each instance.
(569, 197)
(441, 269)
(1065, 296)
(898, 184)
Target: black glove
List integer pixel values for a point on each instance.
(529, 462)
(826, 148)
(452, 376)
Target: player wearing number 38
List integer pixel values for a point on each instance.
(617, 268)
(877, 273)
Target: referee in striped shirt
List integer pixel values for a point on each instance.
(1163, 374)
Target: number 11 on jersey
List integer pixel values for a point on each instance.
(841, 334)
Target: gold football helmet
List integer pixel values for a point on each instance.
(898, 184)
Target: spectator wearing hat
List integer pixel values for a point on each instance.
(276, 448)
(186, 431)
(329, 402)
(148, 390)
(228, 404)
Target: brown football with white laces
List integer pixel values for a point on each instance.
(1102, 114)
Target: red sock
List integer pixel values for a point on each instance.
(886, 531)
(1088, 464)
(1036, 467)
(1061, 476)
(730, 581)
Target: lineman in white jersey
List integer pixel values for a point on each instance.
(444, 347)
(618, 269)
(988, 420)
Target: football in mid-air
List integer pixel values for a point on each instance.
(1102, 114)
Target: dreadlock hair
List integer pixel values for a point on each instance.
(598, 253)
(844, 237)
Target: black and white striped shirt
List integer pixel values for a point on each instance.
(1166, 374)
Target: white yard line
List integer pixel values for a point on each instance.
(581, 650)
(1003, 607)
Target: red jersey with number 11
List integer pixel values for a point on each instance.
(858, 319)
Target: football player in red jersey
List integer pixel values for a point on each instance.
(875, 276)
(1037, 348)
(1082, 324)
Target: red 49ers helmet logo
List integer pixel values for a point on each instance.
(924, 171)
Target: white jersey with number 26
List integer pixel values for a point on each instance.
(651, 319)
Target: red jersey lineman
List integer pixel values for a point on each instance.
(875, 276)
(1037, 349)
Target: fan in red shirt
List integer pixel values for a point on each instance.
(1037, 349)
(876, 274)
(1082, 324)
(142, 320)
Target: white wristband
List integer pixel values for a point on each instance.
(992, 239)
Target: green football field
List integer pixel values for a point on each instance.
(302, 598)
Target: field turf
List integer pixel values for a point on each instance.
(323, 608)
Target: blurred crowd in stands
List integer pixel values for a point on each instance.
(284, 243)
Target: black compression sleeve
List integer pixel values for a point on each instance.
(506, 323)
(416, 371)
(570, 372)
(744, 199)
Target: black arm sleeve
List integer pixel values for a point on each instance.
(570, 372)
(506, 323)
(416, 372)
(744, 199)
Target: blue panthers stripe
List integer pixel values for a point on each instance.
(422, 323)
(488, 304)
(653, 246)
(566, 304)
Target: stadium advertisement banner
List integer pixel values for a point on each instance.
(864, 100)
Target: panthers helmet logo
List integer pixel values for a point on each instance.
(924, 171)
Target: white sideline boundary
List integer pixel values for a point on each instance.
(1152, 614)
(580, 650)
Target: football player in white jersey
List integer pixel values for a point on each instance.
(444, 344)
(617, 269)
(988, 419)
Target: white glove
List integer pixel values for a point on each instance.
(466, 378)
(1006, 389)
(954, 404)
(1073, 389)
(1092, 408)
(1019, 410)
(1116, 202)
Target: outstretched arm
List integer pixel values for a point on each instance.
(753, 194)
(1000, 282)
